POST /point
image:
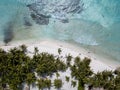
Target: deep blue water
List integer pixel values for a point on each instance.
(98, 25)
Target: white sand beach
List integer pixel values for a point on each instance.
(51, 46)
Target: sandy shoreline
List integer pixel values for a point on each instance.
(51, 46)
(98, 63)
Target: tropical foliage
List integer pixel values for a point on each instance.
(58, 83)
(67, 79)
(17, 69)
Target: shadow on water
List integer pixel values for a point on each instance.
(8, 32)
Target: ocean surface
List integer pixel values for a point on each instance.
(94, 24)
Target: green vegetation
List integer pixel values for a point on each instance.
(30, 78)
(57, 75)
(81, 71)
(73, 83)
(67, 79)
(44, 83)
(59, 51)
(41, 84)
(17, 68)
(58, 83)
(68, 60)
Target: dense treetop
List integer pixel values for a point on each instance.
(17, 69)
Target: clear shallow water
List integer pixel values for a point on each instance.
(97, 25)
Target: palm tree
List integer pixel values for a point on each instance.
(57, 75)
(60, 65)
(15, 78)
(81, 71)
(107, 75)
(30, 79)
(68, 61)
(48, 83)
(117, 82)
(58, 83)
(41, 84)
(104, 79)
(67, 79)
(59, 51)
(87, 61)
(24, 48)
(36, 50)
(95, 81)
(73, 83)
(77, 60)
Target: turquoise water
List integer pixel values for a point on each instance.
(97, 26)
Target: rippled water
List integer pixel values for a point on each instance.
(97, 25)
